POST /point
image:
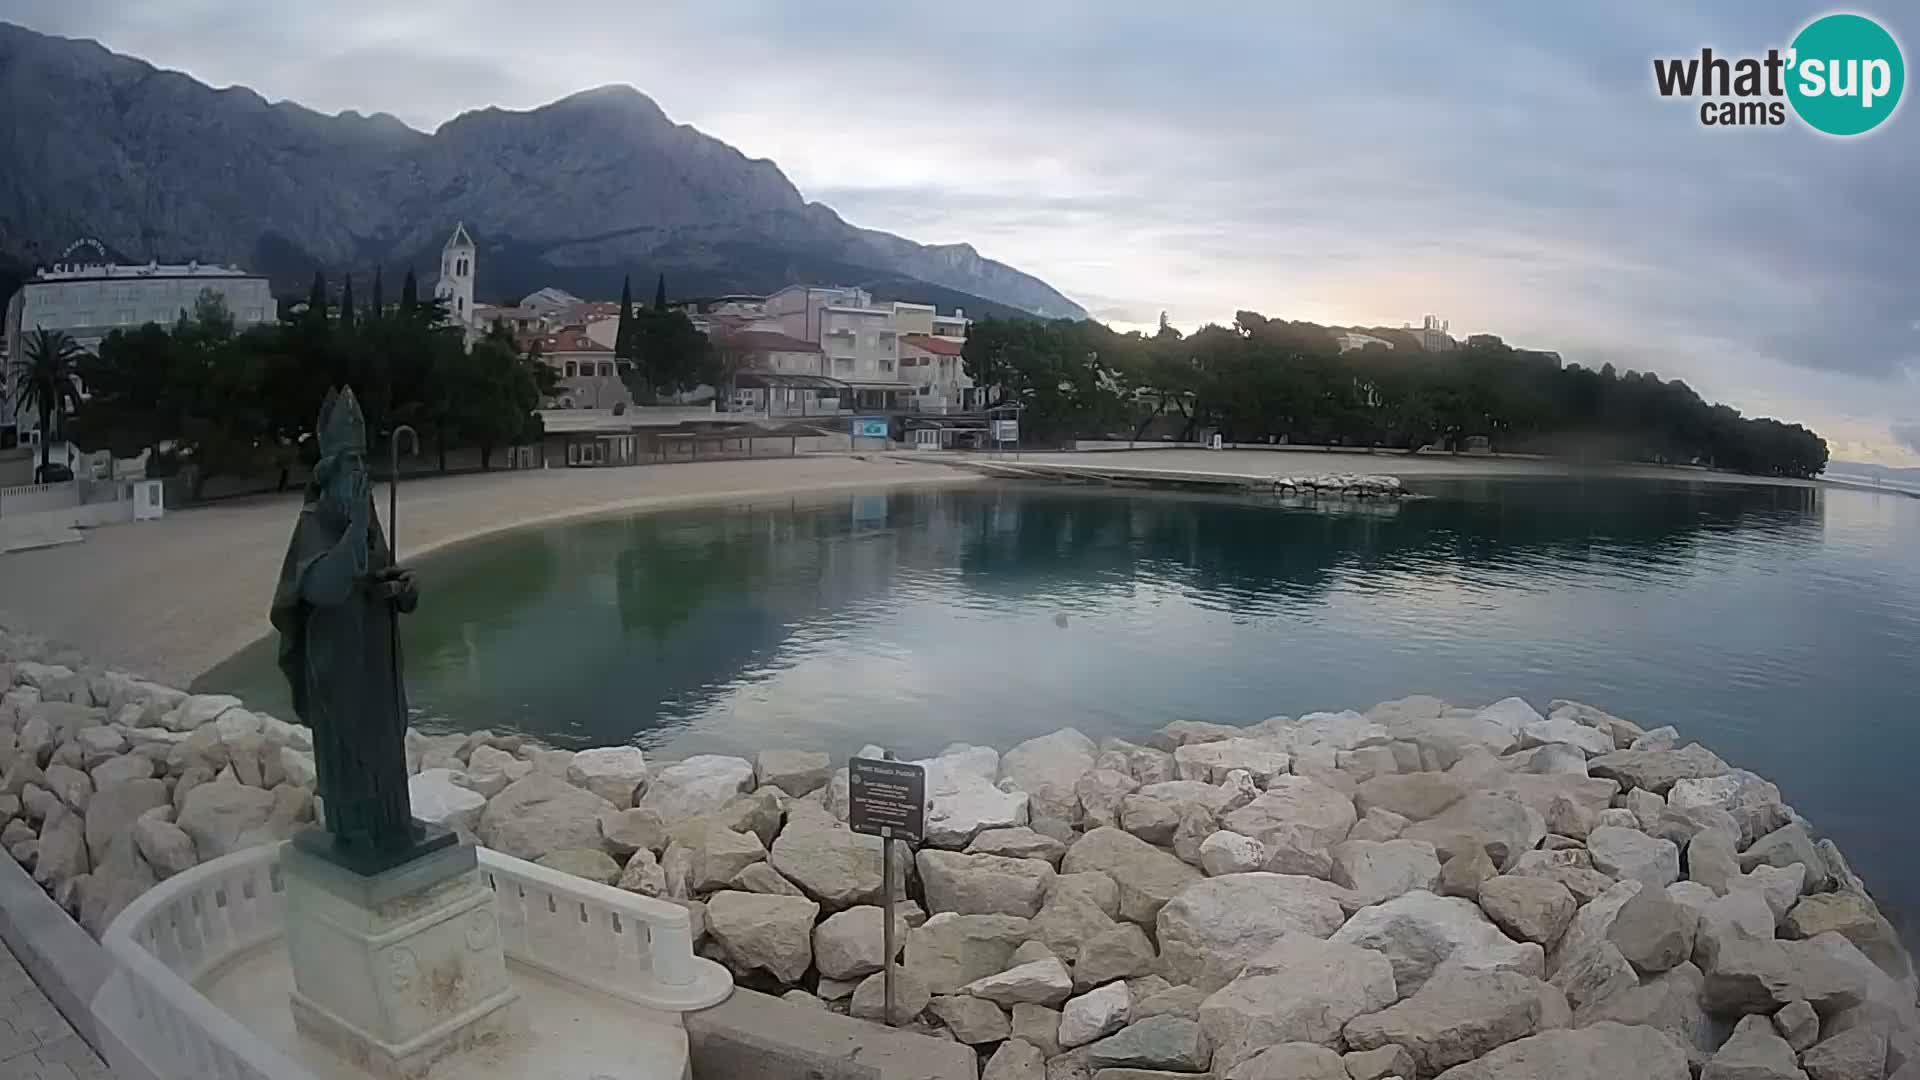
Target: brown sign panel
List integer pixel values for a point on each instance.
(889, 795)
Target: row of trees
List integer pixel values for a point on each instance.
(243, 402)
(658, 350)
(1264, 380)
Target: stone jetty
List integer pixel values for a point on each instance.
(1413, 891)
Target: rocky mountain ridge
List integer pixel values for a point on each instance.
(157, 165)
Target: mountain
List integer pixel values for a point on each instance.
(156, 165)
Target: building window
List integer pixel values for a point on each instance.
(886, 365)
(573, 369)
(606, 369)
(460, 303)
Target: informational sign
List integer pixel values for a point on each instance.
(1006, 431)
(887, 798)
(869, 427)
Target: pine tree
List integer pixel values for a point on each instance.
(379, 297)
(660, 293)
(623, 335)
(346, 303)
(317, 298)
(409, 294)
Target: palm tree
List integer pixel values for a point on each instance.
(45, 379)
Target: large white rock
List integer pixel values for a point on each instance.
(615, 773)
(699, 785)
(1038, 982)
(1047, 768)
(832, 864)
(1094, 1015)
(759, 931)
(983, 884)
(539, 814)
(199, 709)
(223, 816)
(1418, 931)
(119, 876)
(1079, 908)
(1413, 795)
(1604, 1051)
(1382, 870)
(720, 853)
(113, 809)
(1347, 730)
(796, 772)
(165, 846)
(1212, 928)
(1565, 731)
(948, 951)
(1297, 809)
(1630, 853)
(1300, 989)
(1512, 713)
(1101, 792)
(1457, 1017)
(1147, 876)
(1592, 923)
(1753, 802)
(1755, 1052)
(850, 944)
(1528, 908)
(438, 799)
(1657, 770)
(1226, 852)
(1210, 762)
(962, 799)
(1504, 826)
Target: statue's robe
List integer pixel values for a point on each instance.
(340, 651)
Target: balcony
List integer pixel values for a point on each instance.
(201, 980)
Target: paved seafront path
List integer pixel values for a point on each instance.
(36, 1042)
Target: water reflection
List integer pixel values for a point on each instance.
(1768, 622)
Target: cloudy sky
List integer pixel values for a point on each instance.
(1508, 167)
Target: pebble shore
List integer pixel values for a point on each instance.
(1412, 891)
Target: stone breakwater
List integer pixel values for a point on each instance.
(1413, 891)
(1342, 485)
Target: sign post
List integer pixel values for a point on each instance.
(888, 799)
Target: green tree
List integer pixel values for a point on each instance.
(379, 306)
(660, 293)
(670, 354)
(623, 334)
(346, 304)
(409, 293)
(317, 299)
(45, 380)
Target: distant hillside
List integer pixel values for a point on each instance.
(576, 193)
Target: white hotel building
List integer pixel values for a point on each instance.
(89, 300)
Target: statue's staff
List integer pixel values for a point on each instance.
(393, 533)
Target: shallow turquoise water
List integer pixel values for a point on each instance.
(1777, 625)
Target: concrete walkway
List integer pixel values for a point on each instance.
(36, 1042)
(169, 599)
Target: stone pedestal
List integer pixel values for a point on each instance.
(397, 970)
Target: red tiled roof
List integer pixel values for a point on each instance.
(934, 345)
(571, 339)
(765, 341)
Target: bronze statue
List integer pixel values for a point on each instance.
(337, 608)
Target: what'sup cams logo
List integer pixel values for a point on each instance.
(1842, 76)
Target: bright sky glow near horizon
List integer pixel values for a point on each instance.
(1506, 166)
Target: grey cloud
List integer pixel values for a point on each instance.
(1907, 434)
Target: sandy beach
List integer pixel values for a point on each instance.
(1304, 461)
(171, 598)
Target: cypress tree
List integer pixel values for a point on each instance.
(379, 297)
(346, 303)
(660, 293)
(317, 298)
(623, 336)
(409, 294)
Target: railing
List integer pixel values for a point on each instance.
(165, 940)
(631, 947)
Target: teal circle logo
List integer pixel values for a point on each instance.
(1846, 74)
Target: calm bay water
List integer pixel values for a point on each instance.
(1776, 625)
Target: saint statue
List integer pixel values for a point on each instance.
(337, 608)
